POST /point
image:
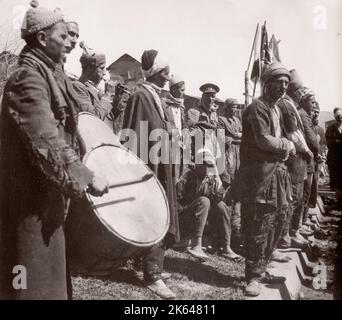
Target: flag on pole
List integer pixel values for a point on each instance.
(255, 74)
(274, 49)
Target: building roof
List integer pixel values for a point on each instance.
(124, 58)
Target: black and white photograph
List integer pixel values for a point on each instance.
(178, 150)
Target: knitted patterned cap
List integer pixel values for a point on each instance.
(37, 19)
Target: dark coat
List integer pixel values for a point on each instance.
(297, 165)
(310, 138)
(90, 100)
(41, 172)
(141, 106)
(334, 157)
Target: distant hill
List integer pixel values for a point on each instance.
(324, 117)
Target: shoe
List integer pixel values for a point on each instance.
(308, 223)
(232, 256)
(276, 256)
(284, 245)
(160, 289)
(197, 253)
(272, 279)
(306, 231)
(253, 288)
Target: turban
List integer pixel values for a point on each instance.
(91, 58)
(231, 102)
(273, 70)
(175, 80)
(37, 19)
(305, 94)
(295, 82)
(152, 63)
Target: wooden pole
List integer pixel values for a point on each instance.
(249, 64)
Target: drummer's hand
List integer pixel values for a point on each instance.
(98, 187)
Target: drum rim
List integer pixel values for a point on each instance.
(104, 223)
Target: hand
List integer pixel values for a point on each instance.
(98, 187)
(308, 155)
(238, 135)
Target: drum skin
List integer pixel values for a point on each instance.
(103, 232)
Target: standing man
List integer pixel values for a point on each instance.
(41, 169)
(307, 105)
(334, 158)
(264, 179)
(297, 165)
(232, 126)
(320, 135)
(145, 108)
(89, 96)
(175, 110)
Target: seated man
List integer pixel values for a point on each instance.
(201, 192)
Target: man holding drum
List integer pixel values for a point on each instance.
(41, 168)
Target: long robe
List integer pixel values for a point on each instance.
(142, 106)
(41, 172)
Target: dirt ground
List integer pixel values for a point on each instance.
(215, 279)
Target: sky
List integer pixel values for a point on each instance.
(209, 40)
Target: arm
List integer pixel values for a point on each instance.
(30, 112)
(262, 133)
(101, 109)
(309, 134)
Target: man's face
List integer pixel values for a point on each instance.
(310, 105)
(178, 90)
(55, 41)
(277, 87)
(162, 77)
(73, 33)
(315, 113)
(98, 73)
(208, 99)
(231, 110)
(338, 117)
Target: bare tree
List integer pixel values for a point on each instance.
(10, 44)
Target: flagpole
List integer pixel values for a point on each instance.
(249, 64)
(261, 56)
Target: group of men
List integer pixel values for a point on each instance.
(270, 159)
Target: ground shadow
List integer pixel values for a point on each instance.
(200, 272)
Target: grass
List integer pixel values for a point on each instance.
(215, 279)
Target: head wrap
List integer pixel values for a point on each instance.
(175, 80)
(231, 102)
(305, 94)
(273, 70)
(295, 82)
(91, 57)
(37, 19)
(152, 63)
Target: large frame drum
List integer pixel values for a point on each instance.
(102, 232)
